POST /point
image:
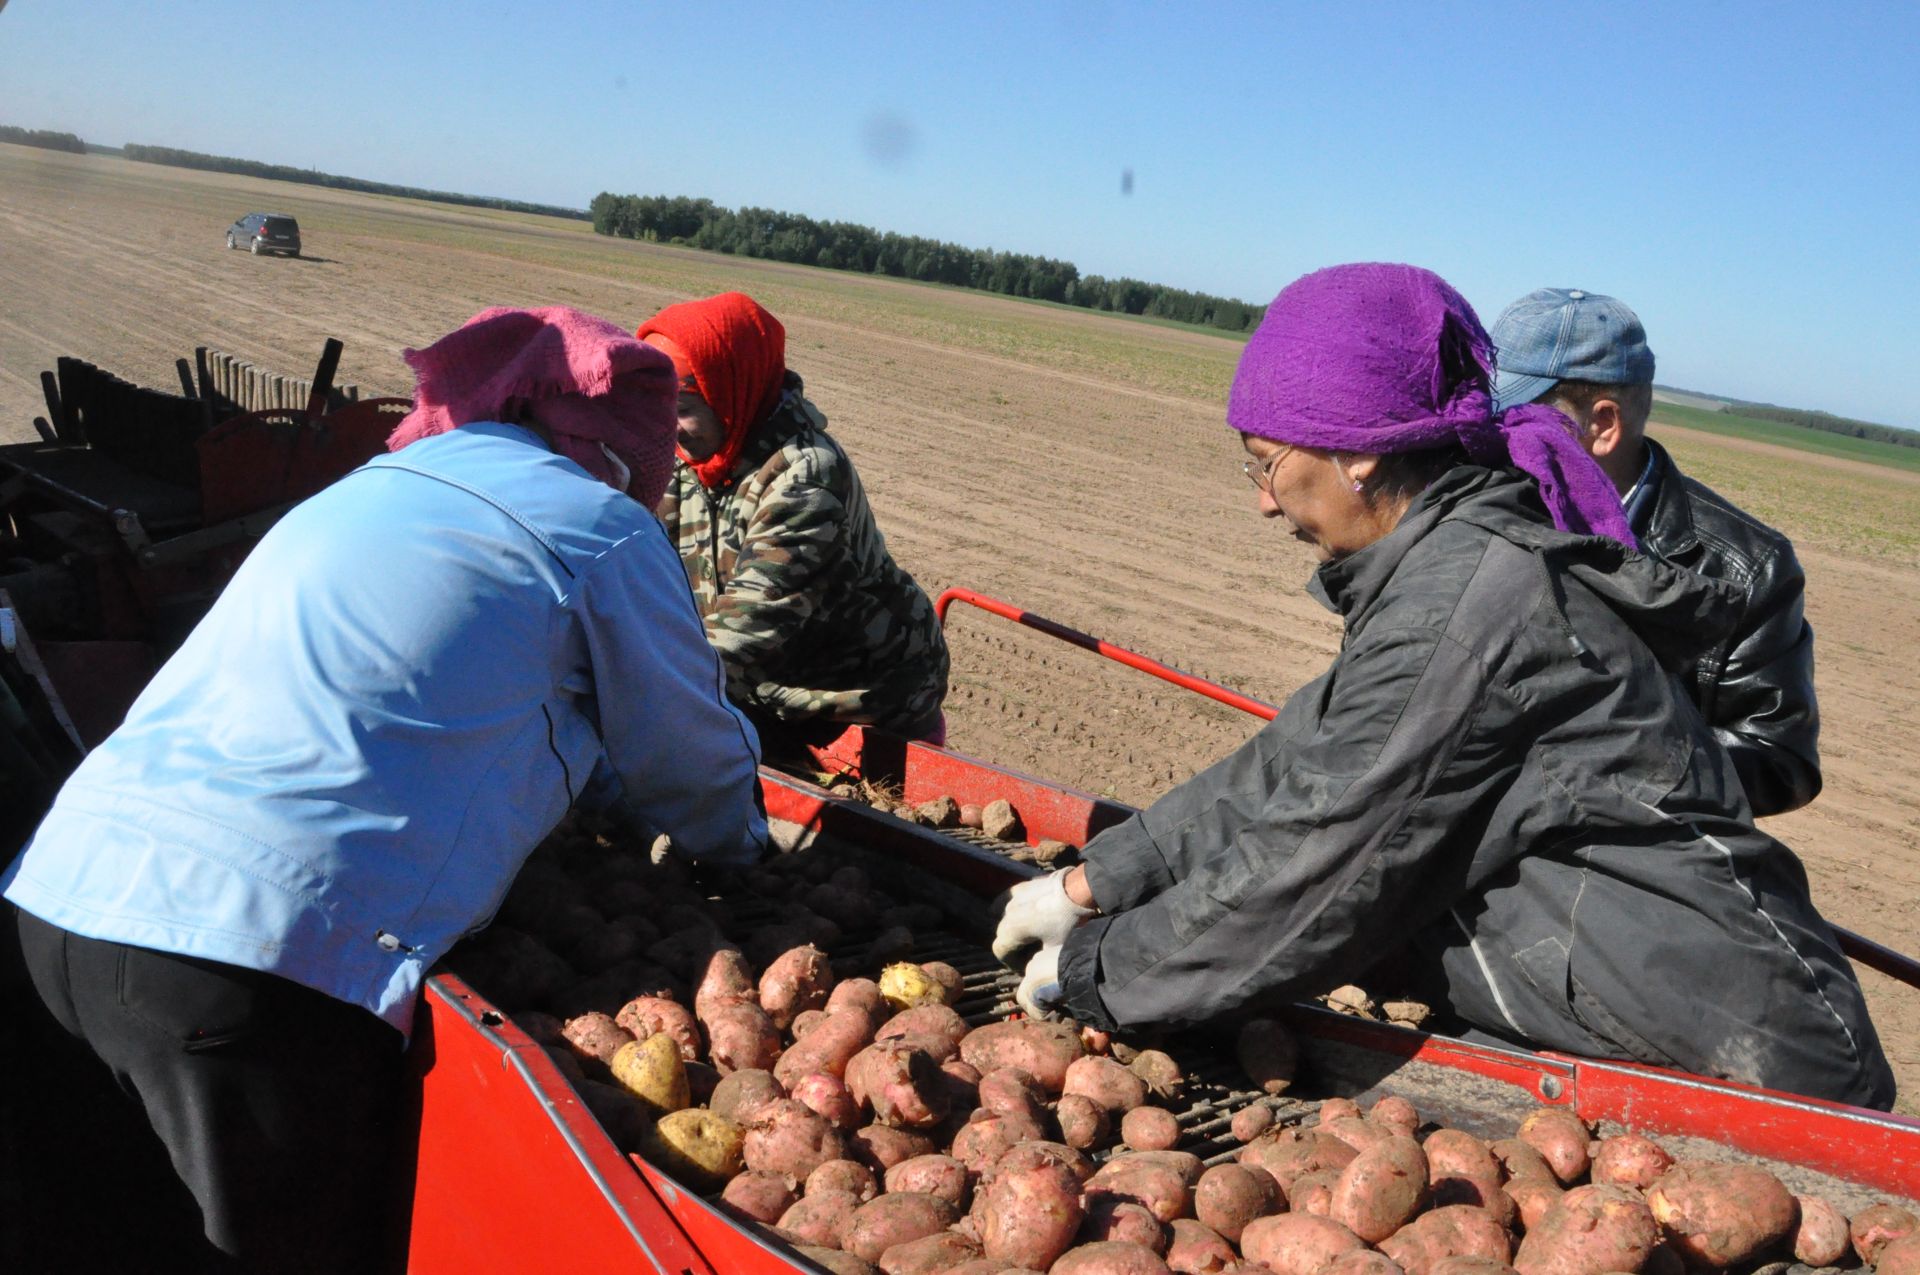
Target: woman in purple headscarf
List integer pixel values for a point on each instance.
(1498, 785)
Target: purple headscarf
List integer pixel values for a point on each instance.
(1387, 358)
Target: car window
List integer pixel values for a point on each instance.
(282, 226)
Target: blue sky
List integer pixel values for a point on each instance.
(1747, 176)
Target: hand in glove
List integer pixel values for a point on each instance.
(1040, 993)
(1038, 911)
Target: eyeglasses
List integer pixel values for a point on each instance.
(1260, 472)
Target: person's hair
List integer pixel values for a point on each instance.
(1636, 401)
(1400, 476)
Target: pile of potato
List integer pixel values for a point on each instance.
(854, 1113)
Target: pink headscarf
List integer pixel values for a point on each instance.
(589, 382)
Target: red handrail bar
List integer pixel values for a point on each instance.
(1088, 642)
(1857, 947)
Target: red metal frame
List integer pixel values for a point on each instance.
(1857, 947)
(1099, 646)
(514, 1173)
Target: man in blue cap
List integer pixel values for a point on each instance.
(1587, 355)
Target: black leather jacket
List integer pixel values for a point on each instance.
(1755, 686)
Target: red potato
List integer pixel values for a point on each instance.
(1095, 1040)
(828, 1095)
(1364, 1261)
(1562, 1139)
(1878, 1225)
(1458, 1230)
(1113, 1217)
(1463, 1171)
(1288, 1153)
(828, 1047)
(1521, 1160)
(725, 976)
(1268, 1054)
(1589, 1231)
(929, 1255)
(1250, 1122)
(1109, 1258)
(1719, 1215)
(1313, 1192)
(741, 1037)
(899, 1084)
(1336, 1108)
(594, 1036)
(850, 1176)
(940, 1175)
(1821, 1238)
(1149, 1129)
(1156, 1179)
(784, 1136)
(1630, 1160)
(1010, 1090)
(1229, 1196)
(1356, 1132)
(821, 1217)
(1382, 1189)
(1899, 1257)
(935, 1045)
(759, 1195)
(834, 1261)
(880, 1147)
(645, 1016)
(1396, 1113)
(862, 994)
(1106, 1082)
(962, 1080)
(1030, 1208)
(987, 1266)
(1296, 1243)
(1043, 1050)
(1162, 1074)
(806, 1020)
(895, 1218)
(1532, 1197)
(1197, 1249)
(925, 1020)
(1084, 1123)
(798, 979)
(1473, 1266)
(983, 1142)
(738, 1095)
(947, 976)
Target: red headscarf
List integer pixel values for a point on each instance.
(732, 353)
(587, 381)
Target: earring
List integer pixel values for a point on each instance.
(1358, 486)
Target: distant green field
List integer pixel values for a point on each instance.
(1806, 440)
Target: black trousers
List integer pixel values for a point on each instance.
(171, 1113)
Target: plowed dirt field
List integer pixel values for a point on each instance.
(1073, 463)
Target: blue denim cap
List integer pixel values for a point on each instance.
(1564, 334)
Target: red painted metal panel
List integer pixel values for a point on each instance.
(1869, 1147)
(513, 1172)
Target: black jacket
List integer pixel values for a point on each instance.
(1501, 768)
(1755, 686)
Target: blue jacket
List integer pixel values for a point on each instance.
(398, 695)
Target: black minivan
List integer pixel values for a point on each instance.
(265, 232)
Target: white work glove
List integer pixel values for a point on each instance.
(1038, 911)
(1040, 993)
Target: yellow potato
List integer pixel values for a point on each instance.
(696, 1146)
(906, 986)
(653, 1071)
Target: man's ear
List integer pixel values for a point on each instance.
(1605, 428)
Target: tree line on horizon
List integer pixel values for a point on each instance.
(45, 139)
(313, 177)
(843, 245)
(1807, 418)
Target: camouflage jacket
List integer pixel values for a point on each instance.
(812, 617)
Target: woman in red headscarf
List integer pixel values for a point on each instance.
(817, 625)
